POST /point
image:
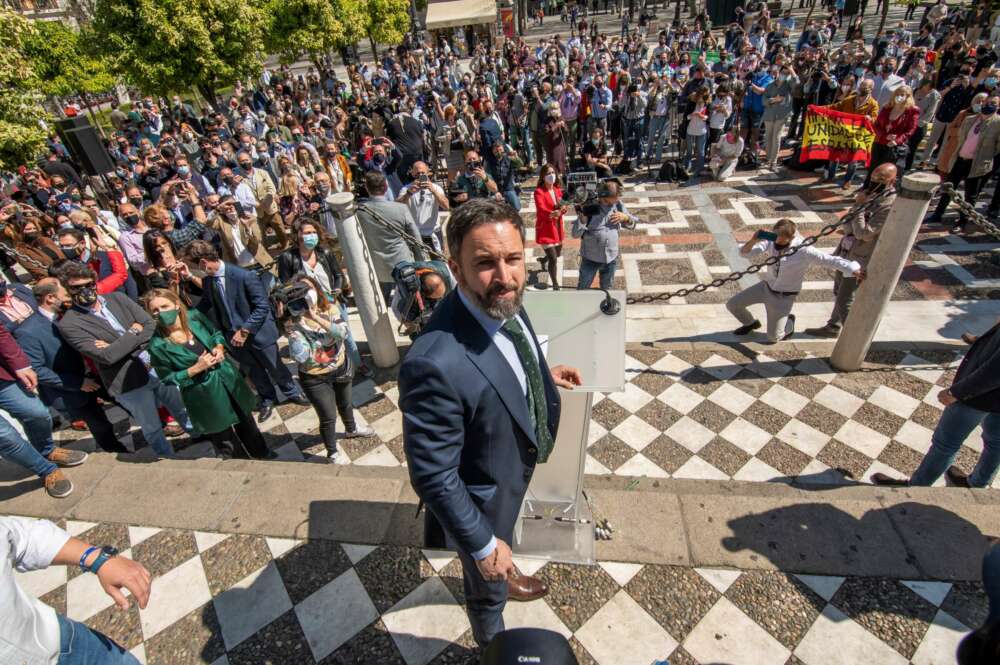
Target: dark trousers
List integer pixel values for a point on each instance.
(97, 422)
(913, 144)
(329, 398)
(266, 371)
(484, 602)
(242, 440)
(959, 174)
(798, 108)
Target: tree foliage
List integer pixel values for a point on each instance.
(386, 21)
(63, 63)
(311, 28)
(164, 46)
(21, 138)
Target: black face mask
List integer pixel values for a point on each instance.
(31, 236)
(131, 220)
(71, 253)
(136, 201)
(781, 248)
(85, 296)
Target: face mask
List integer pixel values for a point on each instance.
(168, 317)
(64, 207)
(70, 252)
(859, 71)
(977, 108)
(184, 171)
(86, 296)
(85, 256)
(311, 297)
(899, 99)
(31, 236)
(781, 247)
(379, 160)
(550, 178)
(991, 82)
(323, 189)
(131, 220)
(246, 166)
(310, 240)
(989, 109)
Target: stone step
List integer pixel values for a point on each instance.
(909, 533)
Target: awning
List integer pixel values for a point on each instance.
(459, 13)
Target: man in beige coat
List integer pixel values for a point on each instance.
(858, 244)
(263, 189)
(978, 144)
(240, 235)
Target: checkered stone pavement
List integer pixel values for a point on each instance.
(243, 599)
(715, 413)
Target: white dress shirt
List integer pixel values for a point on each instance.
(29, 632)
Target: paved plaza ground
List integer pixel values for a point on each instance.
(734, 471)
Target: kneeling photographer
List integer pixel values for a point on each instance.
(598, 223)
(420, 286)
(316, 336)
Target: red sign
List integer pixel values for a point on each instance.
(507, 20)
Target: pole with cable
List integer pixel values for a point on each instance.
(367, 293)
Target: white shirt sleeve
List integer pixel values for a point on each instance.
(32, 544)
(830, 261)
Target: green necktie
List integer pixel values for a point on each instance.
(537, 408)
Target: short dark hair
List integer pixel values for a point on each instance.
(74, 270)
(375, 183)
(200, 250)
(476, 213)
(77, 234)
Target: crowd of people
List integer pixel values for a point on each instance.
(165, 286)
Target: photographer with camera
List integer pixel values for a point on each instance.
(316, 336)
(598, 224)
(474, 182)
(425, 200)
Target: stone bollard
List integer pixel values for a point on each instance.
(886, 265)
(367, 293)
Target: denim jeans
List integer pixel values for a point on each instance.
(511, 197)
(590, 268)
(142, 404)
(955, 425)
(831, 171)
(37, 423)
(657, 135)
(79, 645)
(696, 150)
(352, 346)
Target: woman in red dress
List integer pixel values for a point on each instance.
(549, 211)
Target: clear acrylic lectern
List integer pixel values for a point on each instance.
(584, 329)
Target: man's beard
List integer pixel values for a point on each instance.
(495, 307)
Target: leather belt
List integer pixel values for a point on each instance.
(781, 293)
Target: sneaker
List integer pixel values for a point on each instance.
(743, 330)
(67, 457)
(333, 456)
(173, 430)
(826, 331)
(359, 433)
(57, 485)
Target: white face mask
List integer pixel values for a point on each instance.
(550, 178)
(311, 297)
(900, 99)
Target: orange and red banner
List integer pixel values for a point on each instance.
(837, 136)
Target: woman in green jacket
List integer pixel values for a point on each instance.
(189, 352)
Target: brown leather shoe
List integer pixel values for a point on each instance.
(524, 588)
(67, 457)
(172, 430)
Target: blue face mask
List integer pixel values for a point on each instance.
(859, 71)
(310, 240)
(991, 82)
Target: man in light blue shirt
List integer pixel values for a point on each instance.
(599, 228)
(600, 105)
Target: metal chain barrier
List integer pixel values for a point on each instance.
(851, 215)
(415, 243)
(21, 258)
(968, 210)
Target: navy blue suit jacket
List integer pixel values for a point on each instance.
(470, 446)
(22, 292)
(59, 366)
(248, 305)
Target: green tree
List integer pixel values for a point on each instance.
(310, 28)
(386, 21)
(165, 46)
(21, 137)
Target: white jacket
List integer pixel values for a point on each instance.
(29, 631)
(787, 274)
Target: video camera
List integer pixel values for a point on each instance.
(293, 297)
(415, 285)
(584, 191)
